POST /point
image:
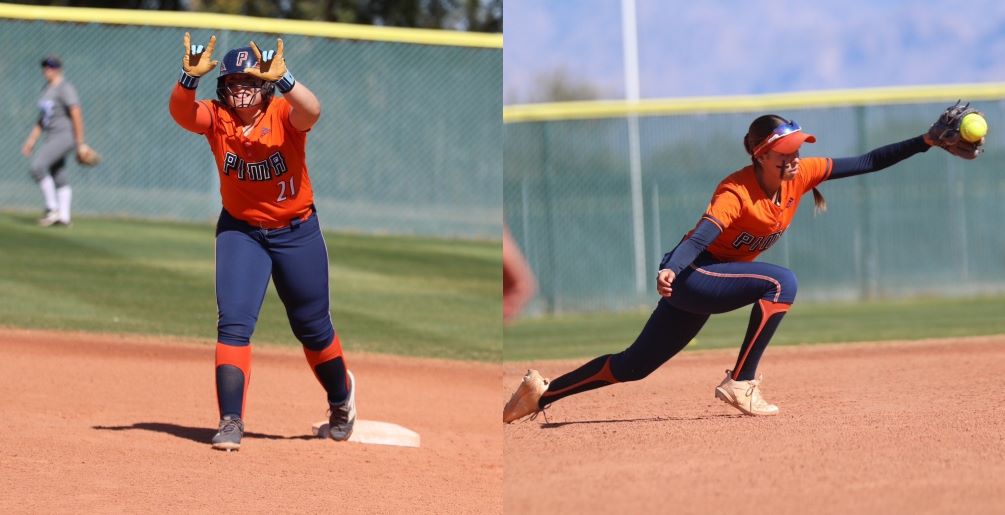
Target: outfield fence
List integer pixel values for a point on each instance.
(408, 140)
(927, 226)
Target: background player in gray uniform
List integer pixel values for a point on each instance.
(60, 125)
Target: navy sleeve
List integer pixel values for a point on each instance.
(878, 159)
(688, 249)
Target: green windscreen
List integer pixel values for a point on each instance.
(407, 143)
(930, 225)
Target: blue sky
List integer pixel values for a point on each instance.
(744, 47)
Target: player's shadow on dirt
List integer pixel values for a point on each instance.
(553, 425)
(196, 434)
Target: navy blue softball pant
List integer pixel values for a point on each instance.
(703, 289)
(296, 259)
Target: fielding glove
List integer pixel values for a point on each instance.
(87, 156)
(945, 132)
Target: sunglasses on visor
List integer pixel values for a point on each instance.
(780, 132)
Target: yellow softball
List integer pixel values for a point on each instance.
(973, 127)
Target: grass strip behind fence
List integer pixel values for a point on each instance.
(396, 295)
(587, 335)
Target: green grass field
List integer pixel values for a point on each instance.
(396, 295)
(587, 335)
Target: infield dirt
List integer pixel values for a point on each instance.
(912, 427)
(94, 423)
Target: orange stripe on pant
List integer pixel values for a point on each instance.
(604, 374)
(768, 310)
(332, 351)
(239, 357)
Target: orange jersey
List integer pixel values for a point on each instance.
(750, 221)
(263, 175)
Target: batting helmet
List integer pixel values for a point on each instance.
(235, 62)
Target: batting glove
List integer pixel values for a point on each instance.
(197, 61)
(272, 67)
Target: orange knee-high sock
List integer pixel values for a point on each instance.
(764, 319)
(329, 368)
(233, 374)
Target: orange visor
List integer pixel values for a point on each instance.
(785, 139)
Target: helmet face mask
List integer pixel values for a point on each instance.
(240, 90)
(237, 89)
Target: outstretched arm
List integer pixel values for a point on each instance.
(945, 133)
(879, 158)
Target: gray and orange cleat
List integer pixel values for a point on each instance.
(744, 396)
(526, 397)
(228, 438)
(343, 414)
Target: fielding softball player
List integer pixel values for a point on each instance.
(60, 124)
(268, 226)
(712, 269)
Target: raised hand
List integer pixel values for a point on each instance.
(271, 64)
(198, 60)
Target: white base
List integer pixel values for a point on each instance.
(374, 432)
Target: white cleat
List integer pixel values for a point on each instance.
(526, 397)
(744, 396)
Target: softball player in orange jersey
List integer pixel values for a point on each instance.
(712, 270)
(268, 226)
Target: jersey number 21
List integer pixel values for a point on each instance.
(283, 193)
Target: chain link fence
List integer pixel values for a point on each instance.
(927, 226)
(408, 140)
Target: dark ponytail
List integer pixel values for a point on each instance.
(761, 128)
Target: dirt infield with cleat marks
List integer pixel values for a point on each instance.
(900, 427)
(119, 424)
